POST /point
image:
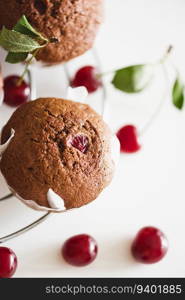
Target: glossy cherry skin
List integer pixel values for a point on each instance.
(8, 262)
(128, 138)
(15, 94)
(80, 250)
(87, 76)
(149, 246)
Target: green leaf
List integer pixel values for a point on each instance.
(17, 42)
(178, 93)
(14, 58)
(133, 79)
(23, 26)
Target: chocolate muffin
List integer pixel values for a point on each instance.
(58, 147)
(73, 22)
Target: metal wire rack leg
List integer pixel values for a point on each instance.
(24, 229)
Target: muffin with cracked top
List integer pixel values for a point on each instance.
(59, 154)
(73, 22)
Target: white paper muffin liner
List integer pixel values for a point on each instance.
(1, 87)
(55, 201)
(77, 93)
(4, 146)
(1, 96)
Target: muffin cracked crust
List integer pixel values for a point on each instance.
(60, 145)
(73, 22)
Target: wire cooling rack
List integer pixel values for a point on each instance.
(33, 95)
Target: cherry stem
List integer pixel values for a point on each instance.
(26, 67)
(51, 40)
(163, 97)
(100, 75)
(161, 61)
(166, 55)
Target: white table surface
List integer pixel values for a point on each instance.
(148, 188)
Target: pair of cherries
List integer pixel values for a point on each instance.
(18, 93)
(149, 246)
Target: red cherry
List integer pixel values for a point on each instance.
(8, 262)
(15, 94)
(128, 138)
(80, 142)
(150, 245)
(80, 250)
(87, 76)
